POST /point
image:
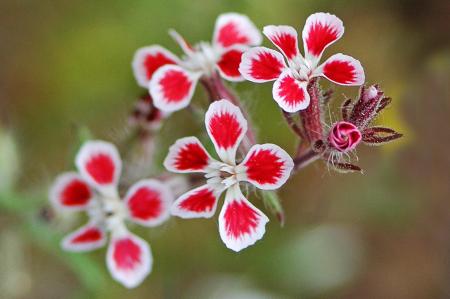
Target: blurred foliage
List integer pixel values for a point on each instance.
(65, 75)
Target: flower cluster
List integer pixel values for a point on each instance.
(93, 189)
(233, 55)
(171, 81)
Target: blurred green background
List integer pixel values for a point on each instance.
(384, 234)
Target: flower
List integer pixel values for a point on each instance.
(266, 166)
(94, 189)
(261, 64)
(344, 136)
(171, 81)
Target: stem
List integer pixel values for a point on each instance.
(311, 116)
(217, 90)
(305, 159)
(291, 122)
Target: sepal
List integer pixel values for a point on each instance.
(379, 135)
(345, 167)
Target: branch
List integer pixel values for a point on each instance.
(291, 122)
(305, 159)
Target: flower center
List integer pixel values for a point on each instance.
(203, 58)
(107, 211)
(300, 69)
(222, 175)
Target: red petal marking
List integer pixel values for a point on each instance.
(288, 43)
(229, 35)
(240, 219)
(201, 201)
(175, 86)
(75, 193)
(340, 71)
(101, 168)
(90, 235)
(154, 62)
(229, 63)
(264, 167)
(191, 157)
(285, 38)
(290, 92)
(319, 36)
(145, 204)
(225, 129)
(127, 254)
(265, 66)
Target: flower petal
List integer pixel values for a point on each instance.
(148, 202)
(187, 155)
(267, 166)
(261, 64)
(226, 127)
(320, 31)
(86, 238)
(99, 163)
(70, 191)
(342, 69)
(240, 223)
(200, 202)
(129, 259)
(184, 45)
(228, 64)
(290, 93)
(148, 59)
(172, 87)
(285, 38)
(233, 28)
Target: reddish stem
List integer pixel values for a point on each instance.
(305, 159)
(311, 116)
(294, 126)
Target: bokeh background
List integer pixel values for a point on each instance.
(65, 67)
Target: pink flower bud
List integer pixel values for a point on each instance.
(344, 136)
(370, 93)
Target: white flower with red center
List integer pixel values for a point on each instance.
(266, 166)
(291, 76)
(94, 189)
(172, 81)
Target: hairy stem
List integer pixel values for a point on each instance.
(311, 116)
